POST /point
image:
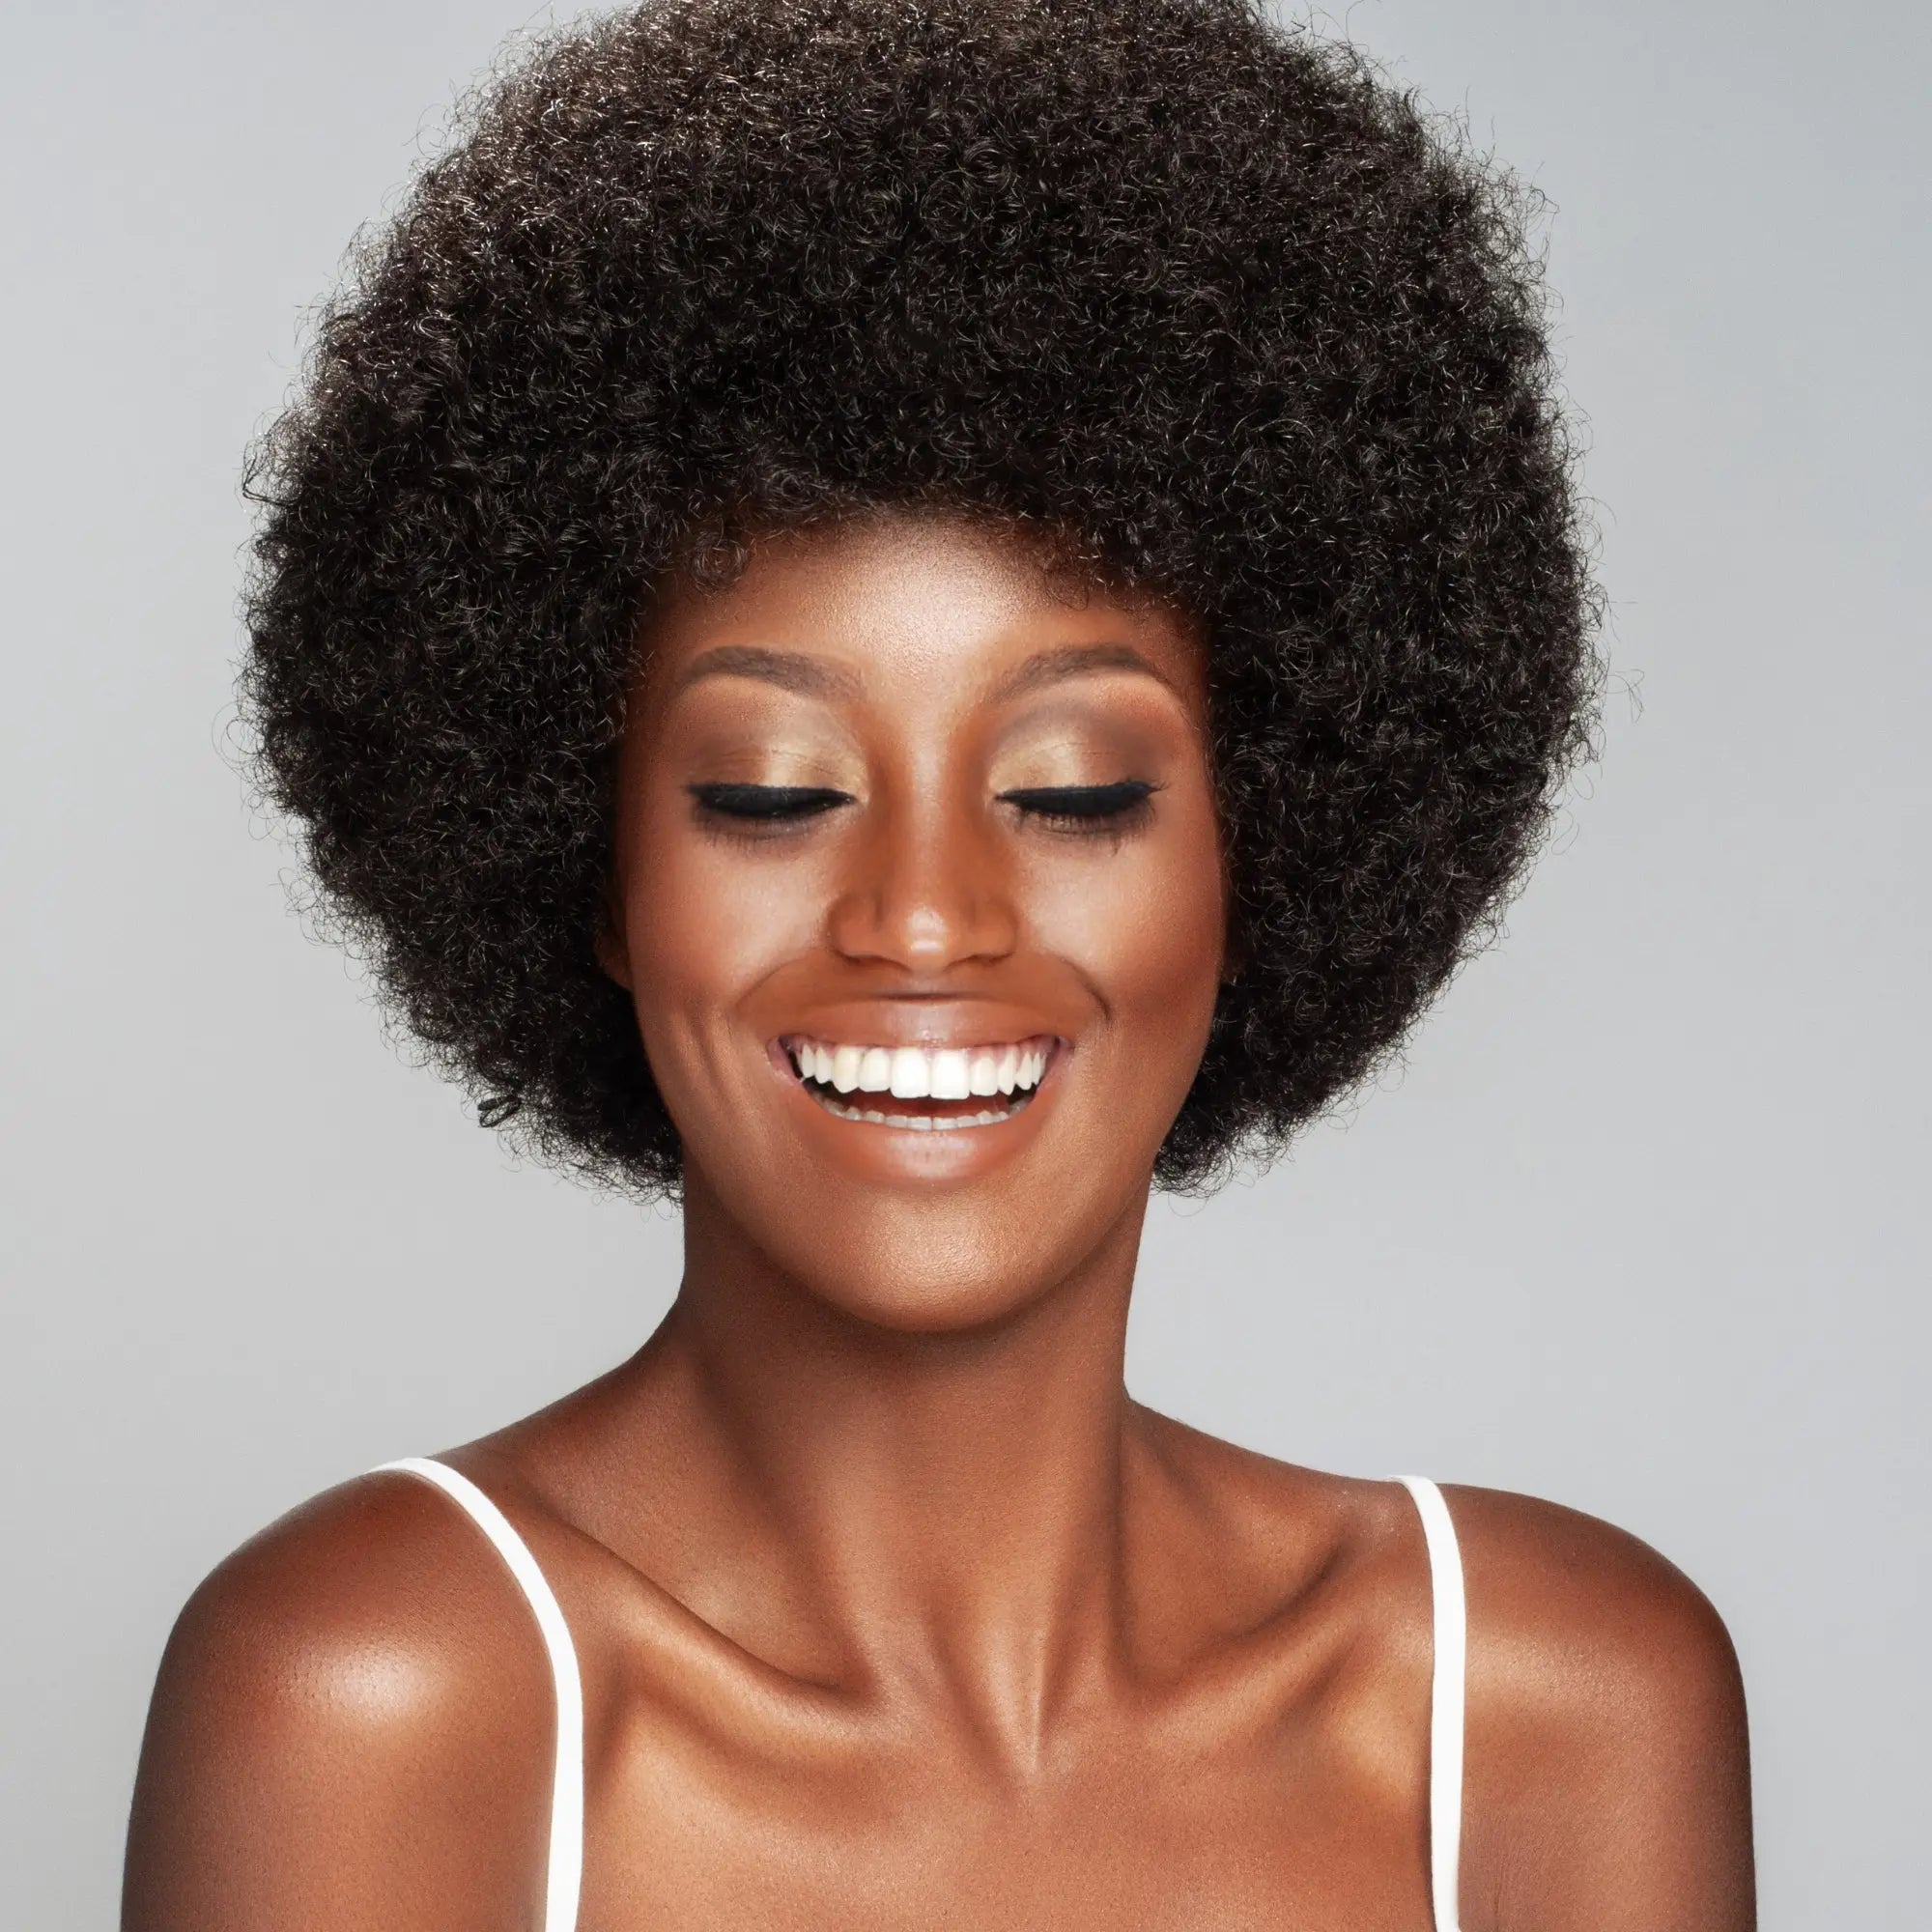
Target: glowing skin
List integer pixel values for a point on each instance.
(930, 677)
(893, 1609)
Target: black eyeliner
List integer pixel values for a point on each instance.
(770, 802)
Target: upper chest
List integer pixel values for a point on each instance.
(1317, 1821)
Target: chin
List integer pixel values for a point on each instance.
(931, 1272)
(943, 1305)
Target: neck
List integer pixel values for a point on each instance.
(948, 1505)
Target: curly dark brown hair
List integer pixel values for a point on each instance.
(1205, 300)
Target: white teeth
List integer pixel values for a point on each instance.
(913, 1072)
(949, 1075)
(912, 1075)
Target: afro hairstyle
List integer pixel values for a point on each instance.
(1203, 300)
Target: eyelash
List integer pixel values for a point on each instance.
(1088, 810)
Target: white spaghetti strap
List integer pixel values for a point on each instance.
(565, 1862)
(1445, 1698)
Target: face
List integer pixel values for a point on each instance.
(920, 898)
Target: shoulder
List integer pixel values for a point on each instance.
(367, 1607)
(1607, 1751)
(1606, 1766)
(363, 1665)
(1566, 1605)
(1573, 1612)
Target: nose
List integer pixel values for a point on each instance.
(926, 887)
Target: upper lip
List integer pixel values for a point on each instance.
(955, 1041)
(966, 1024)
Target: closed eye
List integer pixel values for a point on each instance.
(1109, 808)
(767, 802)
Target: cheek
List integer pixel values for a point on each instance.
(711, 923)
(1145, 927)
(706, 922)
(1175, 969)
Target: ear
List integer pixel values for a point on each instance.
(1234, 949)
(609, 947)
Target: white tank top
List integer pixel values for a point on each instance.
(565, 1865)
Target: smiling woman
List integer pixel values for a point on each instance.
(902, 622)
(956, 834)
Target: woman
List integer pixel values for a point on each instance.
(897, 623)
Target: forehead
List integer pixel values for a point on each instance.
(902, 603)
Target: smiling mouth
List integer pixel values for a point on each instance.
(929, 1090)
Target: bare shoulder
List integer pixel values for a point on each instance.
(1577, 1618)
(1607, 1765)
(351, 1725)
(1608, 1761)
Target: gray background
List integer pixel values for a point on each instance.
(1636, 1230)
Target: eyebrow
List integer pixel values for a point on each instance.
(790, 670)
(1074, 661)
(817, 677)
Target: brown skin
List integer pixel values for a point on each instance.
(893, 1609)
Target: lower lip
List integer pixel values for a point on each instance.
(900, 1140)
(922, 1124)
